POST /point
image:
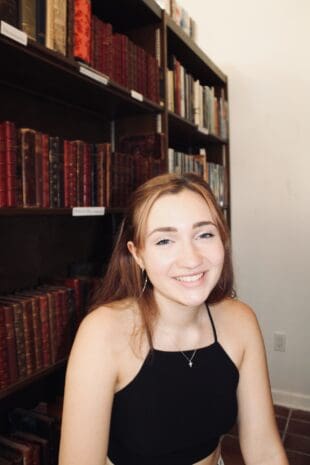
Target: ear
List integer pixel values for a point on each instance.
(134, 252)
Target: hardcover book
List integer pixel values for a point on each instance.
(8, 11)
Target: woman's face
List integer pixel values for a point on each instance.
(183, 253)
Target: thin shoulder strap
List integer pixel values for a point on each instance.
(212, 323)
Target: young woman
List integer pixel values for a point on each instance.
(168, 360)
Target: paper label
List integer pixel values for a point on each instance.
(88, 211)
(137, 95)
(203, 130)
(94, 75)
(13, 33)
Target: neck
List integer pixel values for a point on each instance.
(181, 322)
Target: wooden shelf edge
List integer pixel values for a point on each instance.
(36, 211)
(25, 382)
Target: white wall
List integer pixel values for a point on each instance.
(263, 47)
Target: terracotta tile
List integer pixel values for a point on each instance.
(231, 451)
(281, 411)
(297, 443)
(281, 422)
(299, 427)
(301, 415)
(297, 458)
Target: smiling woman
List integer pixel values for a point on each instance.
(167, 359)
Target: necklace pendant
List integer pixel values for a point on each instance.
(190, 364)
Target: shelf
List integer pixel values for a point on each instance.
(38, 70)
(128, 14)
(35, 211)
(187, 133)
(24, 383)
(192, 57)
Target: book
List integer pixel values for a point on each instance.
(8, 11)
(82, 30)
(7, 319)
(8, 174)
(27, 17)
(56, 25)
(17, 446)
(27, 162)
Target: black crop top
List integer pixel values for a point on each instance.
(171, 414)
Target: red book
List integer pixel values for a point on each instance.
(10, 143)
(45, 172)
(56, 314)
(39, 169)
(69, 175)
(86, 177)
(17, 310)
(106, 58)
(82, 30)
(27, 151)
(46, 310)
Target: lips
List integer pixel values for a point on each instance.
(190, 278)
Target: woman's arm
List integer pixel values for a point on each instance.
(259, 437)
(89, 389)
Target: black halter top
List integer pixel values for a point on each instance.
(171, 413)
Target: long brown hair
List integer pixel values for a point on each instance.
(123, 278)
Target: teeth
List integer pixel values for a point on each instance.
(189, 279)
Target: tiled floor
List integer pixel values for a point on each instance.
(294, 428)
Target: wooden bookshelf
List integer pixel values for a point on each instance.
(46, 91)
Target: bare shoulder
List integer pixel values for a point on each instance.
(236, 314)
(237, 328)
(108, 327)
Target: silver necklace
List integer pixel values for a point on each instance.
(189, 359)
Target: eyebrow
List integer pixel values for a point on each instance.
(172, 229)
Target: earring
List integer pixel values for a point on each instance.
(145, 282)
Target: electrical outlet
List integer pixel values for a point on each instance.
(279, 341)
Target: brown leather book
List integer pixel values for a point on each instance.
(45, 327)
(8, 162)
(38, 424)
(27, 17)
(19, 335)
(106, 55)
(36, 325)
(8, 11)
(35, 439)
(26, 314)
(60, 26)
(82, 30)
(24, 450)
(101, 169)
(10, 456)
(27, 153)
(35, 448)
(38, 163)
(8, 317)
(45, 172)
(4, 355)
(56, 172)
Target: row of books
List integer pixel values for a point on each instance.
(70, 28)
(180, 163)
(34, 435)
(37, 326)
(180, 16)
(38, 170)
(217, 180)
(198, 103)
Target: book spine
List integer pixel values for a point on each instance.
(11, 342)
(38, 169)
(9, 146)
(86, 176)
(49, 30)
(45, 330)
(82, 30)
(27, 17)
(70, 26)
(8, 11)
(37, 333)
(45, 172)
(4, 356)
(60, 26)
(28, 167)
(41, 21)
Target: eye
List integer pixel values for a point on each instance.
(206, 235)
(163, 242)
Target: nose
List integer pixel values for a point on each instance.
(189, 256)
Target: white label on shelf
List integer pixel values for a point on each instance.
(94, 75)
(203, 130)
(13, 33)
(136, 95)
(88, 211)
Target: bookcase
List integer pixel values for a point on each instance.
(62, 96)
